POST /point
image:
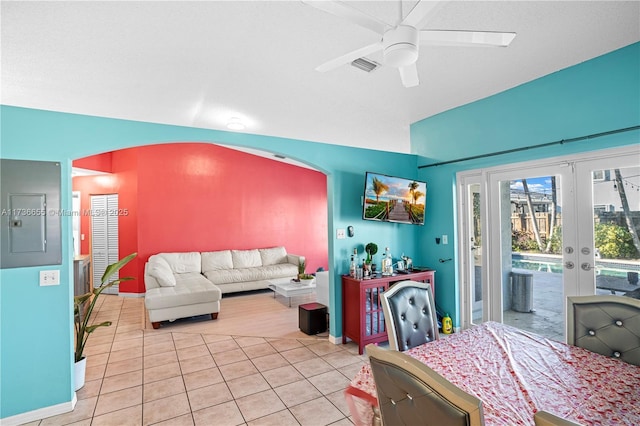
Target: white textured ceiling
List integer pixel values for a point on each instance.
(198, 63)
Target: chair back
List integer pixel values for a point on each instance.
(544, 418)
(608, 325)
(410, 315)
(411, 393)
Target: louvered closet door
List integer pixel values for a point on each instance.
(104, 236)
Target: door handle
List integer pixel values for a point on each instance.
(569, 265)
(586, 266)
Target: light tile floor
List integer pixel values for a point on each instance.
(142, 377)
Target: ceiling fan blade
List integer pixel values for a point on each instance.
(349, 57)
(409, 75)
(419, 12)
(466, 38)
(341, 10)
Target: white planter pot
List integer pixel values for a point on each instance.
(80, 368)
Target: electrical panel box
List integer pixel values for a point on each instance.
(30, 231)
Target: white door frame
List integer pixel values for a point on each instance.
(466, 265)
(575, 171)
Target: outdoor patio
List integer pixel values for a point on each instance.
(548, 303)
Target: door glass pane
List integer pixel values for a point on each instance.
(616, 218)
(532, 291)
(476, 253)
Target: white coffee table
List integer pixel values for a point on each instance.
(287, 288)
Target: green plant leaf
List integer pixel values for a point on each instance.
(79, 300)
(371, 248)
(91, 328)
(81, 324)
(115, 267)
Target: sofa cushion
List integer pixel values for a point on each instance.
(182, 263)
(191, 288)
(228, 276)
(246, 258)
(161, 271)
(273, 255)
(216, 260)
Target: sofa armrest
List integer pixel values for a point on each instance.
(149, 281)
(294, 258)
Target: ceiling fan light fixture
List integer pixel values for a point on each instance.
(400, 46)
(235, 123)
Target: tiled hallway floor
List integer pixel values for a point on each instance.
(137, 376)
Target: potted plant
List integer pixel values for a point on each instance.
(371, 249)
(81, 316)
(303, 277)
(306, 279)
(302, 265)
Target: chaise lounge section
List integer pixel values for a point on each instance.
(175, 288)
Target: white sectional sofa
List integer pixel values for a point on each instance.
(180, 285)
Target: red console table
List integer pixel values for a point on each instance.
(362, 317)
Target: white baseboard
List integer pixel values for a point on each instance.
(335, 340)
(131, 294)
(40, 413)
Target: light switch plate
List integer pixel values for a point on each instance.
(49, 277)
(341, 234)
(445, 239)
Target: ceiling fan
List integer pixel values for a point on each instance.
(399, 44)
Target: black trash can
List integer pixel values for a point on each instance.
(312, 318)
(522, 291)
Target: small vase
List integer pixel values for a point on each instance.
(80, 368)
(306, 281)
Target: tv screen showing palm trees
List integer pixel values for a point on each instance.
(394, 199)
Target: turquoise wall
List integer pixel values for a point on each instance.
(36, 322)
(597, 96)
(36, 328)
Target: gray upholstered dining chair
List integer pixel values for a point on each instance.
(544, 418)
(608, 325)
(411, 393)
(410, 315)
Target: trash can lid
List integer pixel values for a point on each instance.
(523, 272)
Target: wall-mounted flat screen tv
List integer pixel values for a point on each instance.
(394, 199)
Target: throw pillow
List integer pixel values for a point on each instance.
(216, 260)
(161, 271)
(273, 255)
(246, 258)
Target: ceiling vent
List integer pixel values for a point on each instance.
(365, 64)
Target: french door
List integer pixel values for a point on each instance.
(528, 241)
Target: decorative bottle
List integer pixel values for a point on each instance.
(387, 263)
(352, 268)
(447, 325)
(365, 269)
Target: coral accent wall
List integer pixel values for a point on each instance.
(100, 162)
(201, 197)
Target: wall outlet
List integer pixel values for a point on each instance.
(445, 239)
(49, 277)
(341, 234)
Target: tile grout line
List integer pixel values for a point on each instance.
(247, 353)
